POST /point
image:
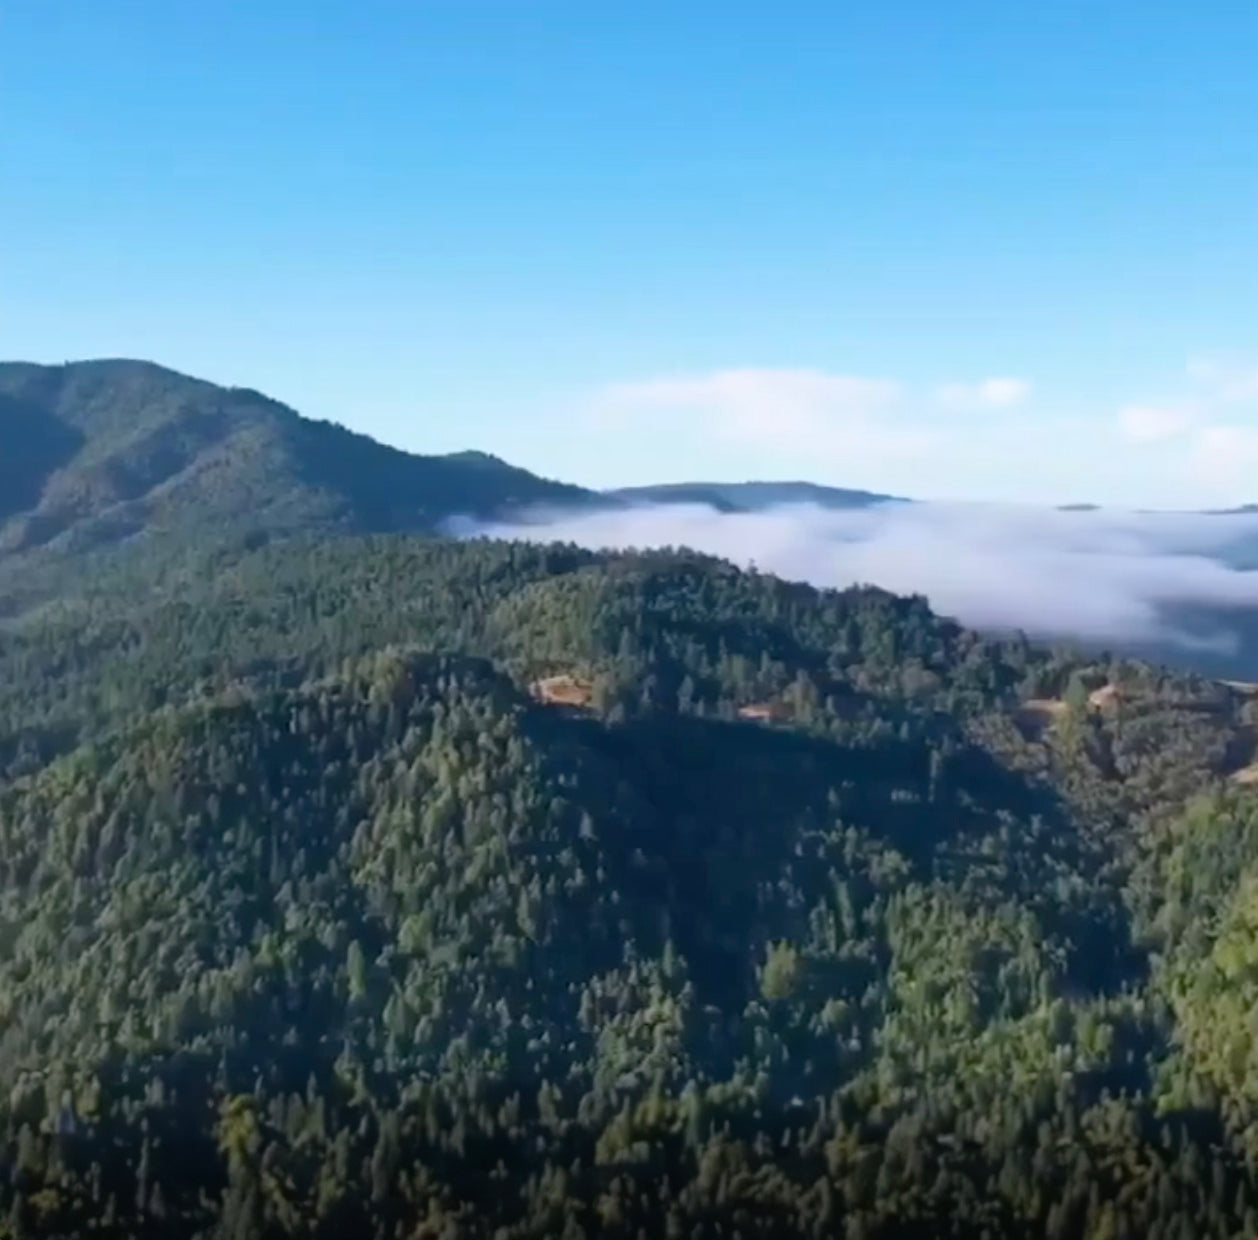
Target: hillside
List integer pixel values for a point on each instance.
(93, 454)
(798, 912)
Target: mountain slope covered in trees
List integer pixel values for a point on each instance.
(93, 454)
(399, 887)
(753, 496)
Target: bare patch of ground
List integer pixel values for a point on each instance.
(1105, 696)
(763, 712)
(562, 691)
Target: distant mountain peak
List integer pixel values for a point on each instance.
(753, 496)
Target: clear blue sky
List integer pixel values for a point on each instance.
(621, 242)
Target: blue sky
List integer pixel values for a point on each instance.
(981, 250)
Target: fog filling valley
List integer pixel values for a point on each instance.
(1170, 580)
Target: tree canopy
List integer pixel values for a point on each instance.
(323, 912)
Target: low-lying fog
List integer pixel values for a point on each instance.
(1172, 580)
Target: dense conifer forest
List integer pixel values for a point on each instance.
(399, 887)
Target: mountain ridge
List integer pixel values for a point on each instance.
(99, 451)
(108, 466)
(754, 496)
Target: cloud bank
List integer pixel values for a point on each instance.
(1107, 577)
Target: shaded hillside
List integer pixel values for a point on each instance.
(94, 453)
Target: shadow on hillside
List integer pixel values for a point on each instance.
(33, 445)
(723, 835)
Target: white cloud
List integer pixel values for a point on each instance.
(1153, 423)
(1229, 383)
(997, 393)
(754, 399)
(830, 416)
(1106, 576)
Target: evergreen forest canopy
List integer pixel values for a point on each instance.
(382, 885)
(402, 887)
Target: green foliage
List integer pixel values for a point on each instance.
(315, 922)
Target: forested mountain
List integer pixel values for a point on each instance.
(108, 468)
(752, 496)
(95, 453)
(359, 882)
(98, 456)
(393, 886)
